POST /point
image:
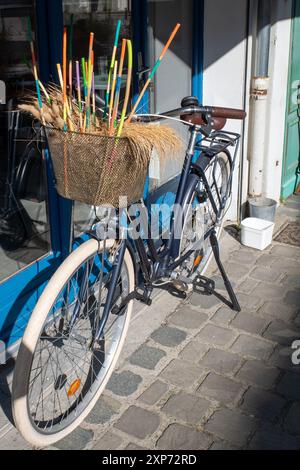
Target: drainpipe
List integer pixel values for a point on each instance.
(259, 97)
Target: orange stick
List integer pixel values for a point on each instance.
(90, 58)
(170, 40)
(157, 64)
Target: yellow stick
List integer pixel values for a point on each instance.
(67, 104)
(112, 95)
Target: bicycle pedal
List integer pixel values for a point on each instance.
(203, 285)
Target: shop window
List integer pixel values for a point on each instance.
(24, 223)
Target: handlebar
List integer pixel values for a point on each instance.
(212, 111)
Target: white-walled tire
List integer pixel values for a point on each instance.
(35, 330)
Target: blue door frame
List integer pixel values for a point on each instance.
(19, 294)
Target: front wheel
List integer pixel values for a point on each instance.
(62, 365)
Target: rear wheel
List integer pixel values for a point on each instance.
(200, 216)
(61, 369)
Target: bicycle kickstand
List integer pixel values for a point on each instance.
(234, 304)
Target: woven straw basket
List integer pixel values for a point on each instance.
(95, 169)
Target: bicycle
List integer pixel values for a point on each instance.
(76, 331)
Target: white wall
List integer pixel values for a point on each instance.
(279, 68)
(225, 41)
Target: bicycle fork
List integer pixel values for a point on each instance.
(115, 274)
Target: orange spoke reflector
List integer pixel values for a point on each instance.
(197, 261)
(74, 387)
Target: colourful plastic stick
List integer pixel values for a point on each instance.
(94, 98)
(113, 87)
(128, 86)
(45, 92)
(79, 93)
(65, 76)
(83, 68)
(157, 64)
(70, 81)
(118, 88)
(85, 88)
(90, 59)
(70, 54)
(112, 64)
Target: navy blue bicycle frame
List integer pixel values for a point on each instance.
(169, 258)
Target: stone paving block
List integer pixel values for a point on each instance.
(178, 437)
(220, 388)
(243, 257)
(231, 426)
(265, 273)
(282, 358)
(289, 386)
(77, 440)
(286, 251)
(267, 260)
(282, 333)
(236, 271)
(168, 336)
(255, 372)
(185, 317)
(194, 351)
(138, 422)
(293, 297)
(182, 373)
(124, 383)
(268, 438)
(278, 310)
(205, 302)
(250, 346)
(220, 361)
(222, 445)
(133, 446)
(216, 335)
(13, 441)
(223, 316)
(292, 421)
(103, 411)
(292, 281)
(109, 441)
(146, 357)
(248, 301)
(154, 393)
(270, 292)
(186, 407)
(297, 320)
(250, 323)
(262, 404)
(248, 286)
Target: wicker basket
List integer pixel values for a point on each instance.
(95, 169)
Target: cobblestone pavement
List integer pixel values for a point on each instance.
(196, 375)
